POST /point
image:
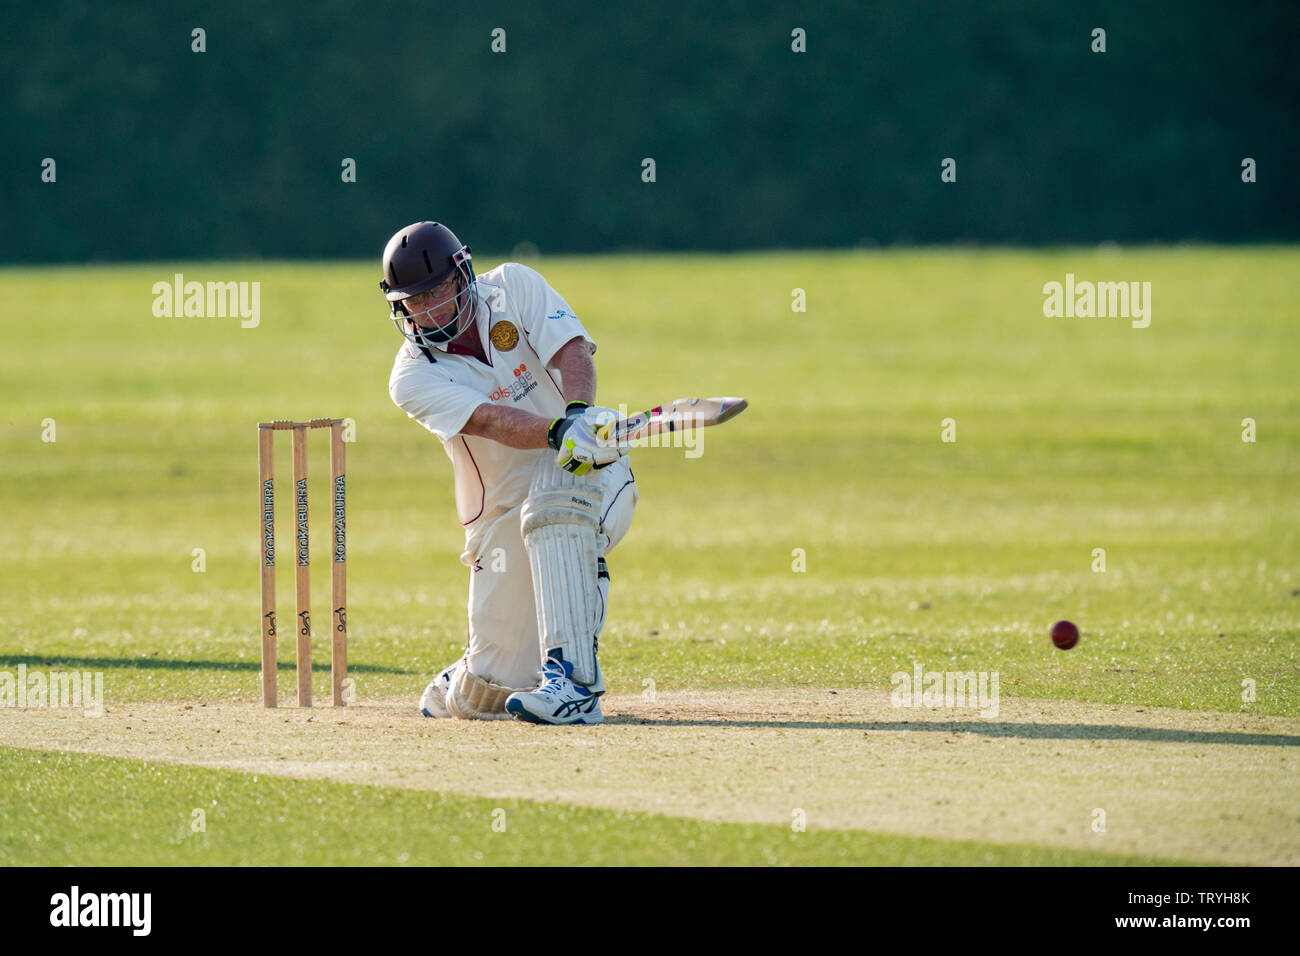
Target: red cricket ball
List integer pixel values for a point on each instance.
(1065, 635)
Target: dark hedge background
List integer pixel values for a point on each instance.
(164, 153)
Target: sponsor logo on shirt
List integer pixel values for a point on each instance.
(521, 386)
(562, 314)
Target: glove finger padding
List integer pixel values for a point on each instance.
(580, 449)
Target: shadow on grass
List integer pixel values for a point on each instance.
(1162, 735)
(171, 663)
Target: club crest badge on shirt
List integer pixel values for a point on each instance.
(504, 336)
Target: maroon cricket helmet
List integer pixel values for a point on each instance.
(418, 258)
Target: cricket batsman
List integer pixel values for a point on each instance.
(499, 368)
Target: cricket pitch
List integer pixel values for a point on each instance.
(1183, 785)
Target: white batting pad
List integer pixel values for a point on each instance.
(472, 698)
(560, 520)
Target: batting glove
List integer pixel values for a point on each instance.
(573, 437)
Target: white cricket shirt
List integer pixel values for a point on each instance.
(522, 322)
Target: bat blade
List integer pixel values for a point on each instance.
(680, 414)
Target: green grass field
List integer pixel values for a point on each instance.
(1072, 435)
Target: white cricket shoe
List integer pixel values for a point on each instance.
(558, 701)
(433, 702)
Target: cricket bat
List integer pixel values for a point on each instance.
(675, 416)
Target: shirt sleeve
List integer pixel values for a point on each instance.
(433, 400)
(547, 320)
